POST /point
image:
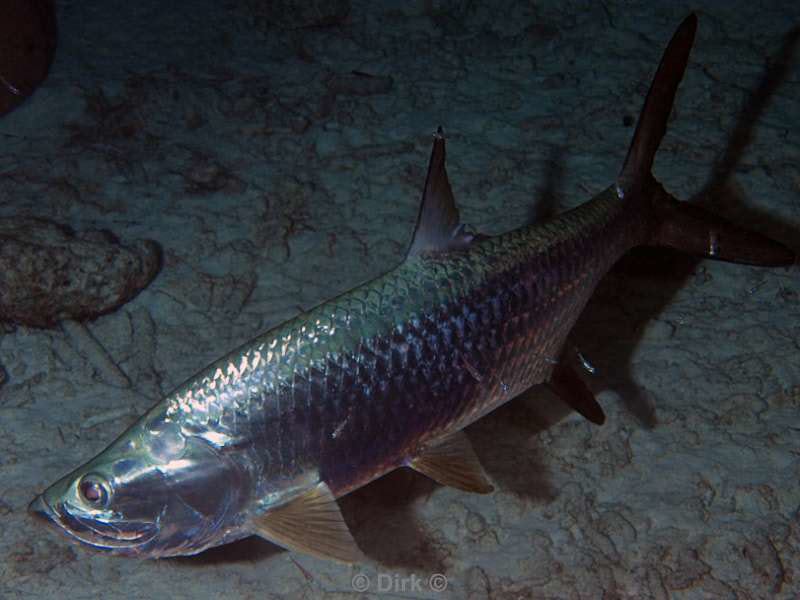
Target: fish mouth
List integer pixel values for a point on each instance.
(123, 536)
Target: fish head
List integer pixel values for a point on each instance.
(154, 492)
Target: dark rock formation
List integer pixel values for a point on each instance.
(49, 273)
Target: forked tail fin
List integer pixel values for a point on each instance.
(680, 225)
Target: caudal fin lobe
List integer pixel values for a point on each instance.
(680, 225)
(657, 106)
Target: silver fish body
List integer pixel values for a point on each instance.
(353, 388)
(385, 375)
(347, 391)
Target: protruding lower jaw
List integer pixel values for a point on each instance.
(39, 509)
(92, 532)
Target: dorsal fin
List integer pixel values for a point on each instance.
(438, 228)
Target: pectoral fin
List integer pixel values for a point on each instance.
(568, 386)
(311, 523)
(452, 461)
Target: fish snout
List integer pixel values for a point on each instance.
(127, 537)
(39, 509)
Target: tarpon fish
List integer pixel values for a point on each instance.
(386, 375)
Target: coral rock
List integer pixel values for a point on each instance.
(49, 273)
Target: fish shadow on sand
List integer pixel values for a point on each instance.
(648, 279)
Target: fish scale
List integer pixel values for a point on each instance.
(477, 327)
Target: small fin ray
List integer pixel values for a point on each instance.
(451, 461)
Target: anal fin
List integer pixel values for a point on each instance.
(568, 386)
(451, 461)
(313, 524)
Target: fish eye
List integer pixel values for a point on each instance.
(94, 490)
